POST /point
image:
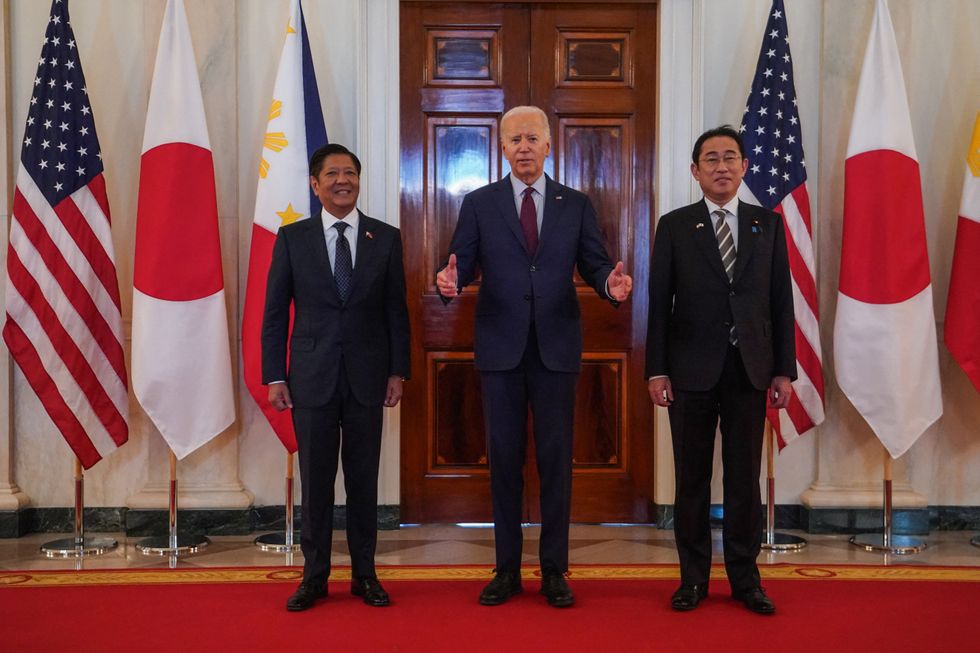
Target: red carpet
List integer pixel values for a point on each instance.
(907, 609)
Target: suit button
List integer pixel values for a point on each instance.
(534, 269)
(731, 292)
(527, 298)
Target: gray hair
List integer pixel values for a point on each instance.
(528, 109)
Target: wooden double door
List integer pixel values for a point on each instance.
(592, 68)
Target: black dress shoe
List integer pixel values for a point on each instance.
(371, 591)
(687, 597)
(503, 586)
(305, 596)
(556, 590)
(755, 599)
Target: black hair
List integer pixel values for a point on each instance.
(316, 161)
(725, 130)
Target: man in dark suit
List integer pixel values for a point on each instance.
(527, 233)
(720, 337)
(341, 272)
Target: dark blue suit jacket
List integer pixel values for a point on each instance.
(517, 289)
(370, 332)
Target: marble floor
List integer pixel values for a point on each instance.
(457, 545)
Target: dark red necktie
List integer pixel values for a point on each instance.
(529, 221)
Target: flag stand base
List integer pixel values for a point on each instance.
(277, 542)
(897, 544)
(172, 544)
(771, 540)
(79, 545)
(71, 547)
(284, 541)
(885, 542)
(165, 545)
(781, 542)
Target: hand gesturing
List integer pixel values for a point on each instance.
(446, 279)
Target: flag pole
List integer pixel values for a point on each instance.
(283, 541)
(78, 545)
(172, 544)
(886, 541)
(773, 541)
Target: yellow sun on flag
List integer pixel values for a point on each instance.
(289, 216)
(973, 158)
(289, 28)
(275, 141)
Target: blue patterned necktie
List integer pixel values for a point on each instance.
(726, 247)
(343, 269)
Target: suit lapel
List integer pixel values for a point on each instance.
(504, 197)
(706, 239)
(367, 251)
(552, 211)
(749, 229)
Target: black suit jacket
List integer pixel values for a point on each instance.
(517, 288)
(692, 302)
(370, 332)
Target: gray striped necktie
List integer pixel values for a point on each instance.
(726, 247)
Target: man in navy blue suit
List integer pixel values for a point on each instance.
(527, 233)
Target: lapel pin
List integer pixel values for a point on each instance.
(756, 229)
(699, 225)
(369, 235)
(557, 197)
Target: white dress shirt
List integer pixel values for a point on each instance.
(329, 220)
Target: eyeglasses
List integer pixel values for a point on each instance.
(712, 162)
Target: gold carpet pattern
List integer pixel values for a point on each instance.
(66, 578)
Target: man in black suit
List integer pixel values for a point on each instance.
(720, 337)
(341, 272)
(527, 233)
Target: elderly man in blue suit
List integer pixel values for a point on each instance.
(527, 233)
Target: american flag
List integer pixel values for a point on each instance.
(64, 326)
(776, 179)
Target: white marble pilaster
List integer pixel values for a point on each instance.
(11, 497)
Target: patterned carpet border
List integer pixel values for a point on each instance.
(216, 575)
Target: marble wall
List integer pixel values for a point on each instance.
(708, 50)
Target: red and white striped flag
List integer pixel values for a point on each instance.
(64, 327)
(181, 354)
(295, 130)
(773, 138)
(962, 330)
(885, 348)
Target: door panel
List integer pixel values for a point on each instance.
(591, 67)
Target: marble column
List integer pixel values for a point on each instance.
(11, 497)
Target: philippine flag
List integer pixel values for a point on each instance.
(181, 354)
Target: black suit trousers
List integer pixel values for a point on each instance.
(694, 416)
(551, 398)
(348, 428)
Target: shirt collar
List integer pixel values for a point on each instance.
(539, 185)
(731, 206)
(352, 218)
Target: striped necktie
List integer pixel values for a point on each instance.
(726, 247)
